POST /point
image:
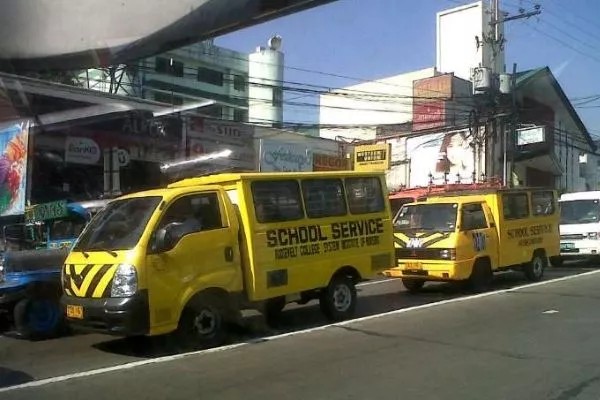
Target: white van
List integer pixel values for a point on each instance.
(579, 226)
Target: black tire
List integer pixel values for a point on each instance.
(338, 299)
(534, 270)
(557, 262)
(273, 309)
(413, 285)
(202, 324)
(481, 277)
(38, 318)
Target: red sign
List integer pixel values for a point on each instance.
(431, 114)
(326, 162)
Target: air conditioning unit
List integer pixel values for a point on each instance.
(482, 80)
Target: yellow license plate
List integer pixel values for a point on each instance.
(75, 312)
(414, 265)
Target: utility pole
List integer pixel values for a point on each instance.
(496, 42)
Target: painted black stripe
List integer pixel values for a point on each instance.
(399, 242)
(96, 280)
(107, 290)
(77, 279)
(433, 241)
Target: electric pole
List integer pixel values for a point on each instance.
(496, 41)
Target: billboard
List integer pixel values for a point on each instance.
(372, 157)
(208, 136)
(13, 168)
(328, 162)
(431, 95)
(276, 156)
(433, 155)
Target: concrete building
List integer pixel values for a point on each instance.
(242, 85)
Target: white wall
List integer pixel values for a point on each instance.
(457, 49)
(384, 101)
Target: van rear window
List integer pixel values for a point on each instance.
(277, 201)
(364, 195)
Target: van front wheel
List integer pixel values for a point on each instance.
(338, 299)
(202, 324)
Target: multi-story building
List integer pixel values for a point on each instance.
(245, 87)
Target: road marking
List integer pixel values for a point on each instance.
(550, 312)
(160, 360)
(377, 282)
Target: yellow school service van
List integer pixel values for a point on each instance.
(189, 257)
(468, 235)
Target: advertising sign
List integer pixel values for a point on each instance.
(530, 135)
(46, 211)
(429, 103)
(207, 136)
(81, 150)
(372, 157)
(278, 156)
(13, 168)
(437, 154)
(328, 162)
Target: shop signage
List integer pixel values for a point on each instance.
(123, 157)
(46, 211)
(328, 162)
(530, 135)
(281, 157)
(373, 157)
(81, 150)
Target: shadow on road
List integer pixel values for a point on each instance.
(9, 377)
(308, 316)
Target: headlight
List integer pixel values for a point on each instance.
(124, 282)
(593, 235)
(1, 268)
(448, 254)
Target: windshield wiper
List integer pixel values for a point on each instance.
(109, 251)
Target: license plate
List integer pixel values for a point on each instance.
(567, 246)
(414, 266)
(75, 312)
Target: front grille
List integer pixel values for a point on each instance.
(576, 236)
(418, 254)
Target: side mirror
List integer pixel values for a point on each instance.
(164, 240)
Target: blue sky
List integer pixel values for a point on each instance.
(371, 39)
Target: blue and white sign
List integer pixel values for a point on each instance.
(278, 156)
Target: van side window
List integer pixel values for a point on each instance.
(324, 197)
(193, 213)
(277, 201)
(364, 195)
(542, 203)
(473, 217)
(515, 205)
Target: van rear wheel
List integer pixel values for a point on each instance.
(534, 270)
(202, 324)
(338, 299)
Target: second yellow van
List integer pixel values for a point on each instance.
(468, 235)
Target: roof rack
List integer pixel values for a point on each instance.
(424, 191)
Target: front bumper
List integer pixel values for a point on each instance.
(432, 270)
(115, 316)
(579, 248)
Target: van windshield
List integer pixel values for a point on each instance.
(579, 212)
(119, 226)
(429, 217)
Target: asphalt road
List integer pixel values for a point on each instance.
(536, 343)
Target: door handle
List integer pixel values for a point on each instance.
(228, 253)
